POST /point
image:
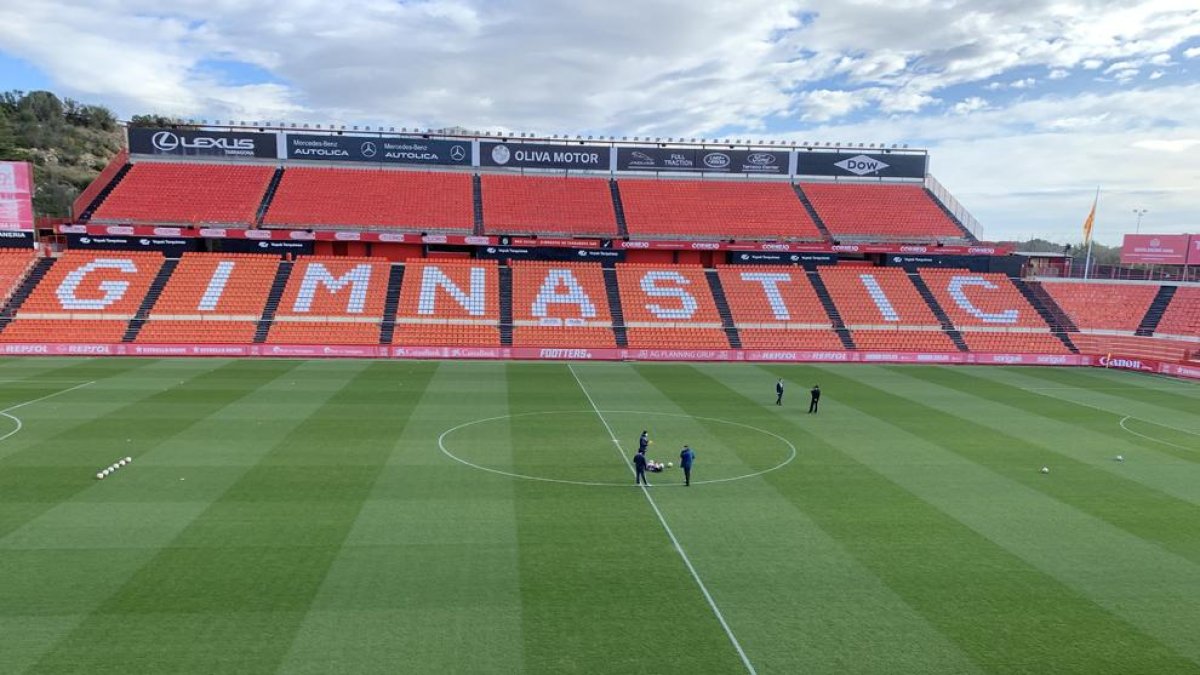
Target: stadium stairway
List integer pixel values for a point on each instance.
(614, 306)
(1155, 313)
(619, 210)
(812, 211)
(506, 306)
(276, 294)
(104, 193)
(156, 289)
(942, 317)
(953, 218)
(718, 293)
(477, 203)
(839, 326)
(19, 296)
(1059, 324)
(268, 196)
(387, 327)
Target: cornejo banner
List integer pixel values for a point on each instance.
(862, 165)
(200, 143)
(545, 156)
(377, 149)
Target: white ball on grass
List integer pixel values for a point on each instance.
(670, 465)
(1120, 458)
(1045, 469)
(100, 476)
(128, 460)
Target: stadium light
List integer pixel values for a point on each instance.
(391, 128)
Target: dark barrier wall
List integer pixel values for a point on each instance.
(545, 156)
(16, 239)
(1004, 264)
(254, 246)
(770, 258)
(607, 256)
(380, 150)
(881, 165)
(198, 143)
(774, 163)
(172, 247)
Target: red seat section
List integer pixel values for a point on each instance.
(715, 209)
(14, 265)
(929, 340)
(1183, 314)
(332, 301)
(876, 297)
(669, 306)
(449, 302)
(1014, 342)
(85, 297)
(1153, 348)
(560, 305)
(777, 308)
(212, 298)
(979, 299)
(547, 205)
(1103, 306)
(373, 198)
(896, 212)
(155, 192)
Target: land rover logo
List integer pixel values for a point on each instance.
(369, 149)
(501, 155)
(716, 160)
(165, 141)
(458, 153)
(760, 159)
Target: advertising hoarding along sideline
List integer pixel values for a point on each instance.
(1193, 257)
(201, 143)
(860, 165)
(544, 156)
(16, 196)
(765, 162)
(1156, 249)
(378, 149)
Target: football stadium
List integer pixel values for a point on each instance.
(291, 399)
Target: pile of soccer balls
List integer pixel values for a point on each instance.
(113, 468)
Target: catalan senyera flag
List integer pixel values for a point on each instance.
(1091, 220)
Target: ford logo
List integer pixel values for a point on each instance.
(761, 159)
(716, 160)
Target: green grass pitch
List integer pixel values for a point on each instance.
(420, 517)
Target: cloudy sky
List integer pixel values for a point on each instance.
(1026, 105)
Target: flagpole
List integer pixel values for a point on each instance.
(1087, 262)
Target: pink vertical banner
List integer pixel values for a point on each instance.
(16, 196)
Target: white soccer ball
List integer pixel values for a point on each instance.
(1120, 458)
(128, 460)
(1045, 469)
(100, 476)
(670, 465)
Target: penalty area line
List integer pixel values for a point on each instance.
(687, 561)
(20, 425)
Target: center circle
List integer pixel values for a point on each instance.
(787, 445)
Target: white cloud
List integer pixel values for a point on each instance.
(1191, 53)
(1059, 74)
(1023, 83)
(970, 105)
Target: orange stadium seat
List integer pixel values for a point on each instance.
(903, 340)
(669, 306)
(14, 265)
(373, 198)
(560, 305)
(1103, 306)
(1014, 342)
(978, 299)
(1155, 348)
(332, 301)
(715, 209)
(449, 302)
(777, 308)
(157, 192)
(212, 298)
(1183, 314)
(547, 205)
(86, 296)
(876, 296)
(898, 212)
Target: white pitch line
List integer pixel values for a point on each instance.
(21, 425)
(670, 533)
(1151, 438)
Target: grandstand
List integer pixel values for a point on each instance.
(186, 193)
(865, 212)
(715, 209)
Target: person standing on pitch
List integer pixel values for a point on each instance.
(639, 468)
(816, 398)
(779, 392)
(643, 441)
(685, 462)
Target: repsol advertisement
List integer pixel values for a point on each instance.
(601, 255)
(772, 258)
(379, 150)
(16, 239)
(198, 143)
(254, 246)
(172, 247)
(544, 156)
(767, 162)
(872, 165)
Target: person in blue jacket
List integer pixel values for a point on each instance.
(643, 441)
(685, 462)
(639, 468)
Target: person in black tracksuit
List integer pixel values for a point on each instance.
(816, 398)
(779, 392)
(639, 468)
(643, 441)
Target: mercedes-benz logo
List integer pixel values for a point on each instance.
(458, 153)
(369, 149)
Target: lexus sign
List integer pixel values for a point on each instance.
(200, 143)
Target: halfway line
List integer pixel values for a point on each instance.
(678, 547)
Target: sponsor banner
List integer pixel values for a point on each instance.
(1193, 257)
(1156, 249)
(1180, 370)
(16, 239)
(524, 242)
(16, 196)
(201, 143)
(451, 352)
(773, 258)
(766, 162)
(1128, 363)
(859, 164)
(263, 246)
(58, 349)
(974, 263)
(172, 247)
(544, 156)
(603, 255)
(378, 149)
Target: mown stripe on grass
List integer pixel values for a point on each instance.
(1140, 401)
(602, 588)
(257, 555)
(1006, 614)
